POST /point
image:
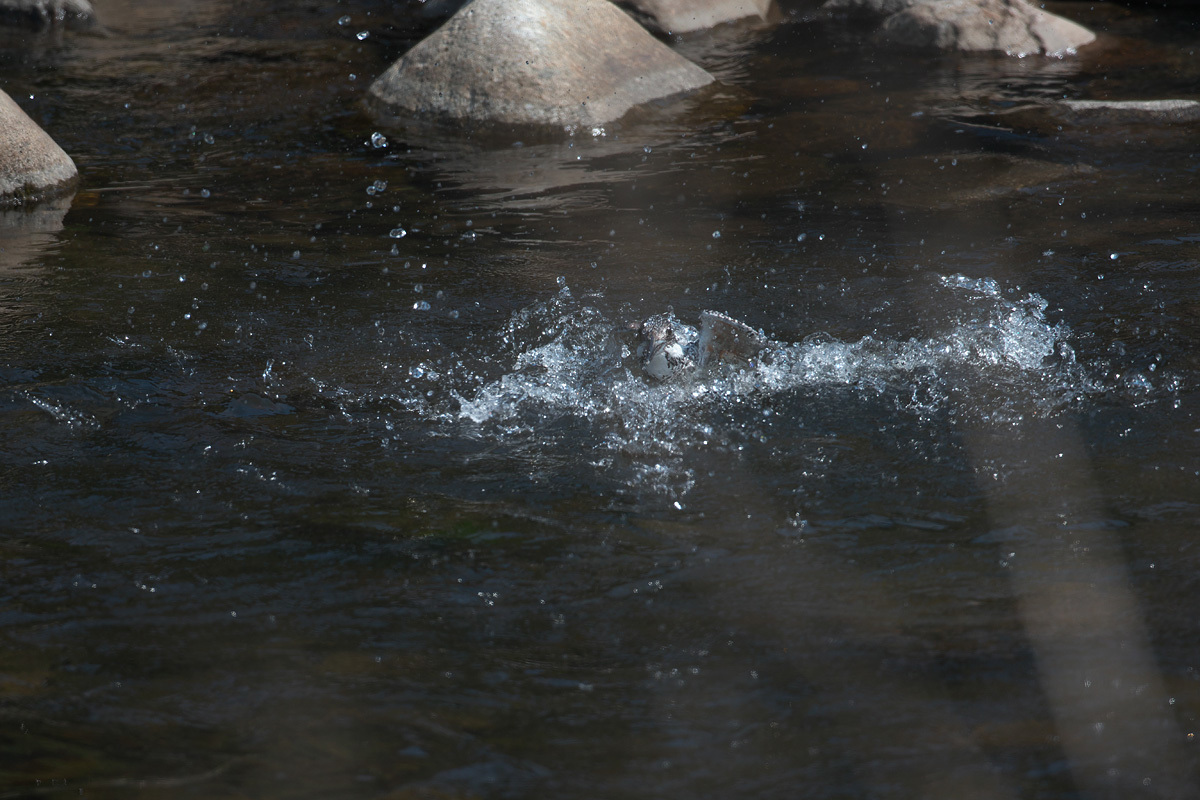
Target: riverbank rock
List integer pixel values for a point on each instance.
(1009, 26)
(684, 16)
(32, 166)
(46, 13)
(560, 62)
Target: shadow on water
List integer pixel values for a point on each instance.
(327, 469)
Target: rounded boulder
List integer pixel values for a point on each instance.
(559, 62)
(1009, 26)
(32, 165)
(685, 16)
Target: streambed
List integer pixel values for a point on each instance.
(326, 470)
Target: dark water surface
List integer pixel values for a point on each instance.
(293, 505)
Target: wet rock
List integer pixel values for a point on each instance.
(1009, 26)
(683, 16)
(32, 166)
(560, 62)
(1133, 110)
(46, 13)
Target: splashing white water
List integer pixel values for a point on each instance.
(994, 358)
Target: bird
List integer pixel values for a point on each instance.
(666, 351)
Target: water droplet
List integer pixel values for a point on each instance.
(378, 140)
(344, 20)
(421, 305)
(801, 237)
(205, 193)
(716, 234)
(397, 233)
(361, 35)
(1113, 256)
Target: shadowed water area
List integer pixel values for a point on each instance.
(327, 471)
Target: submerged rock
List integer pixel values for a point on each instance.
(1133, 110)
(560, 62)
(1009, 26)
(46, 13)
(683, 16)
(32, 166)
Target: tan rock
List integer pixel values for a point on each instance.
(1008, 26)
(32, 166)
(560, 62)
(684, 16)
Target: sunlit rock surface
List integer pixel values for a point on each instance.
(45, 13)
(1009, 26)
(683, 16)
(31, 164)
(561, 62)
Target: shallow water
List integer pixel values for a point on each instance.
(326, 470)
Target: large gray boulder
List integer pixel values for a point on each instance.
(46, 13)
(684, 16)
(1009, 26)
(32, 166)
(559, 62)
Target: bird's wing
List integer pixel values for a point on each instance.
(723, 338)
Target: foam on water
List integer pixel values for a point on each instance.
(991, 358)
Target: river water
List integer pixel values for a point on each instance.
(326, 471)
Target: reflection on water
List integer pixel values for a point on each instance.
(293, 506)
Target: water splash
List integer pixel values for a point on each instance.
(991, 359)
